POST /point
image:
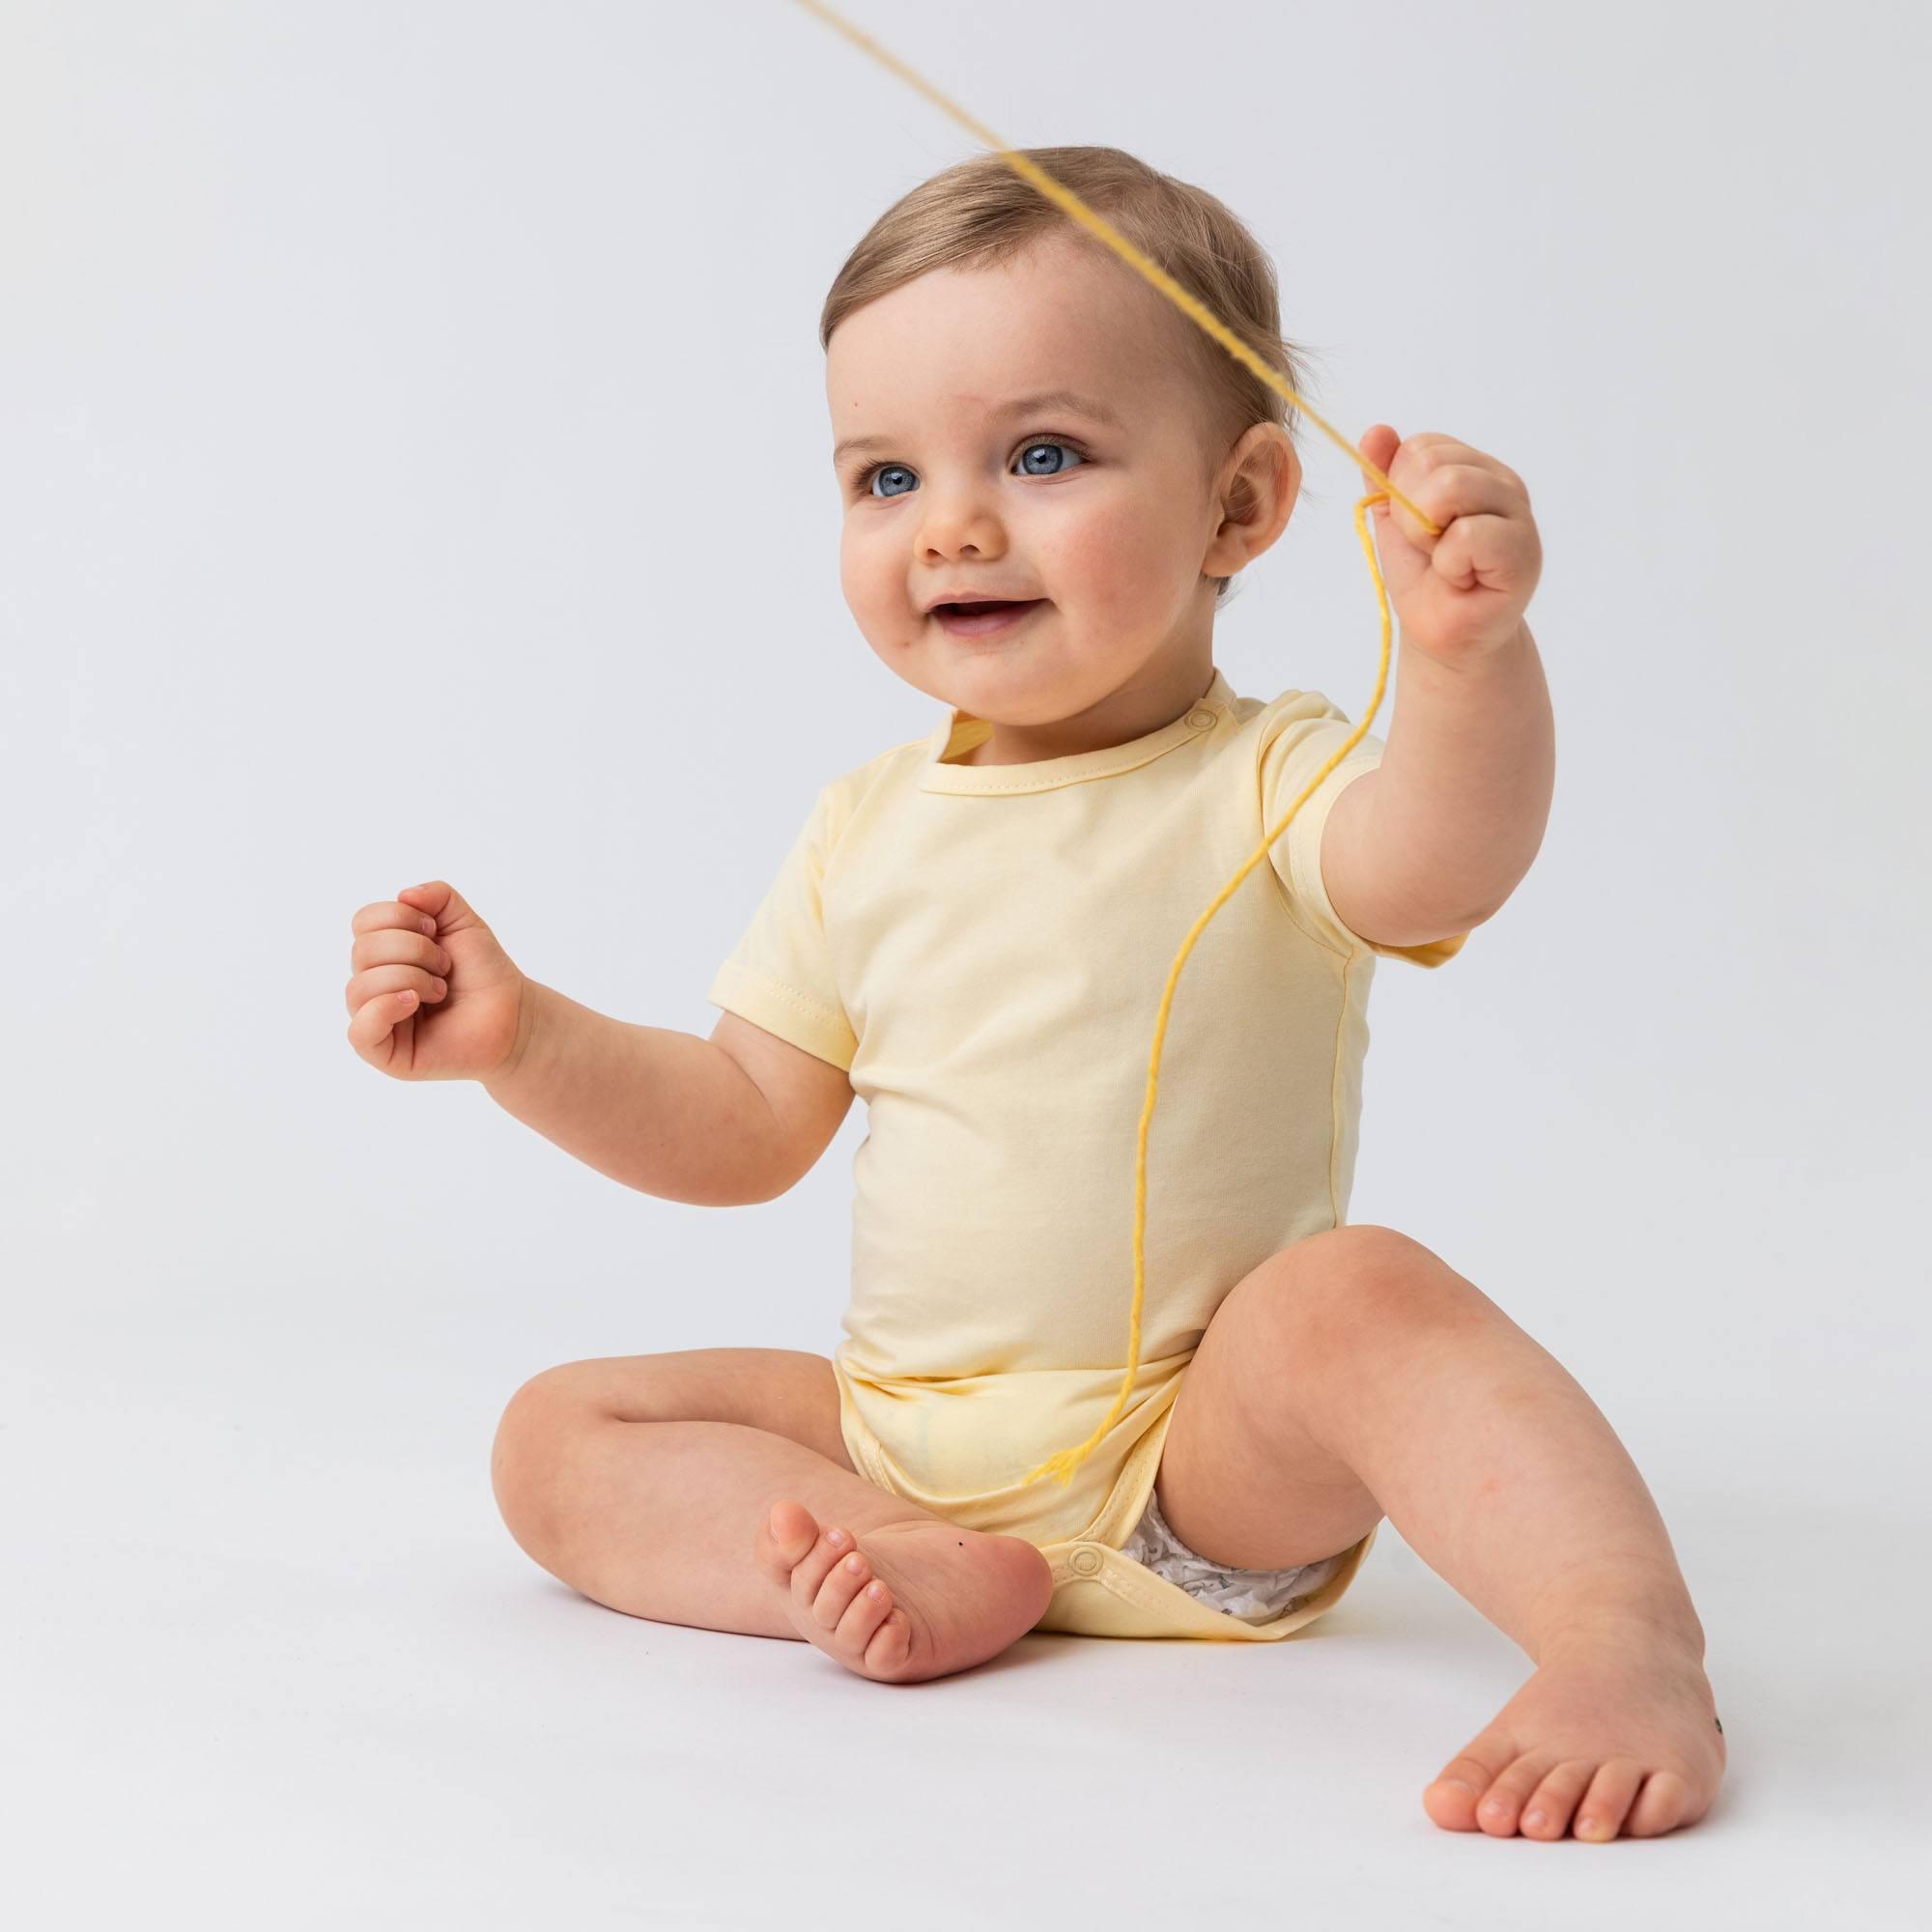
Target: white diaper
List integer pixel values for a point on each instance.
(1254, 1595)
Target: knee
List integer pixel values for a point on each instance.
(530, 1456)
(1349, 1286)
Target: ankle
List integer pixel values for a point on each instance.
(1670, 1626)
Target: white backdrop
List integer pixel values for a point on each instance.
(414, 463)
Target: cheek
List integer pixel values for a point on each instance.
(863, 567)
(1111, 554)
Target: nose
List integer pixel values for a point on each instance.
(958, 521)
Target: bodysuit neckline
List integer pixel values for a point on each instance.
(961, 731)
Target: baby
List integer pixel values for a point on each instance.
(1049, 476)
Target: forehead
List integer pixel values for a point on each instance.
(960, 342)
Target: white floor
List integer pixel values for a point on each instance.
(277, 1664)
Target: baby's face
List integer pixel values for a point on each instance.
(1113, 523)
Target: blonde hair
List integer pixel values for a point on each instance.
(980, 213)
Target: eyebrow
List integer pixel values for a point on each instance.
(1069, 400)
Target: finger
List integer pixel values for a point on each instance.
(1440, 449)
(390, 946)
(1508, 474)
(1424, 454)
(1466, 489)
(380, 981)
(1410, 464)
(440, 899)
(1493, 552)
(1455, 490)
(391, 912)
(374, 1023)
(1378, 445)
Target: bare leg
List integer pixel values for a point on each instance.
(1361, 1371)
(718, 1525)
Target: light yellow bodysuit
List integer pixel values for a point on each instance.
(983, 949)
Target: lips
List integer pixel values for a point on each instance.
(985, 620)
(982, 606)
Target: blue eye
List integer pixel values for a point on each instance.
(864, 479)
(1050, 442)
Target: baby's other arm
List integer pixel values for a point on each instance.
(666, 1111)
(809, 1096)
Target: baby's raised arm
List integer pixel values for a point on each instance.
(434, 997)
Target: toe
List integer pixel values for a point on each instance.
(1662, 1804)
(1503, 1802)
(1546, 1814)
(1601, 1814)
(788, 1531)
(871, 1602)
(810, 1573)
(842, 1581)
(1451, 1800)
(891, 1645)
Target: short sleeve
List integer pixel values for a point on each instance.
(779, 975)
(1301, 730)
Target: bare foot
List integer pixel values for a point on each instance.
(1618, 1726)
(923, 1599)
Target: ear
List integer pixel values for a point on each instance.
(1255, 492)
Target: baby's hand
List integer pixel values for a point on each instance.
(433, 996)
(1458, 596)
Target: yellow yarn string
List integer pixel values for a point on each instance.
(1062, 1466)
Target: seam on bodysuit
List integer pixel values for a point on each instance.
(1335, 1097)
(784, 990)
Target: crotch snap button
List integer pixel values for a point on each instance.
(1086, 1560)
(1200, 718)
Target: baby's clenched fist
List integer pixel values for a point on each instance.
(431, 995)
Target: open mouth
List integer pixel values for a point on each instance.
(980, 620)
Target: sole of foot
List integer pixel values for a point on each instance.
(902, 1602)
